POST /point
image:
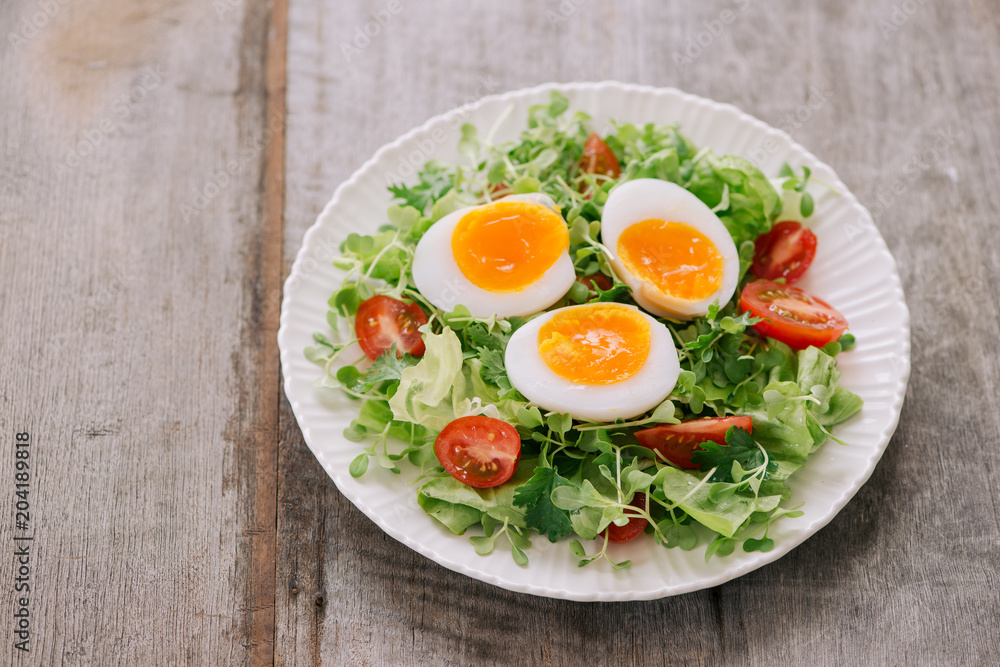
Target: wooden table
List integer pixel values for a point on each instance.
(159, 164)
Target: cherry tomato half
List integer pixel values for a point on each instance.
(479, 451)
(598, 158)
(784, 252)
(791, 315)
(678, 442)
(596, 281)
(630, 530)
(382, 321)
(497, 190)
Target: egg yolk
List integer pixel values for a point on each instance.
(506, 246)
(674, 257)
(598, 344)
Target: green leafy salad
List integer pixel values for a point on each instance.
(755, 395)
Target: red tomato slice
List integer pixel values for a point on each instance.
(382, 321)
(479, 451)
(678, 442)
(630, 530)
(598, 158)
(596, 281)
(791, 315)
(497, 190)
(784, 252)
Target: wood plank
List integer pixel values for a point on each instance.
(905, 574)
(136, 254)
(262, 568)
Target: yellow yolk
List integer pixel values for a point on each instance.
(598, 344)
(674, 257)
(506, 246)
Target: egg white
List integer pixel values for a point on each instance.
(441, 281)
(633, 396)
(653, 199)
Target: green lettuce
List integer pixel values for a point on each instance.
(444, 386)
(459, 506)
(795, 415)
(721, 512)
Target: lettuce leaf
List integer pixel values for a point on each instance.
(459, 506)
(723, 513)
(794, 416)
(425, 389)
(444, 386)
(454, 516)
(753, 201)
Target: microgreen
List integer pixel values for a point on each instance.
(798, 184)
(518, 540)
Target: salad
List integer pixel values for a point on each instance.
(755, 384)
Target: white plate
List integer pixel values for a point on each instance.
(853, 270)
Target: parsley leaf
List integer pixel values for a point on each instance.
(542, 514)
(489, 346)
(435, 182)
(493, 370)
(739, 447)
(386, 367)
(478, 336)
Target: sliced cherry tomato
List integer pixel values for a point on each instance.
(596, 281)
(630, 530)
(678, 442)
(382, 321)
(497, 190)
(791, 315)
(598, 158)
(479, 451)
(784, 252)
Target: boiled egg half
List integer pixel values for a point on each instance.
(508, 257)
(597, 362)
(669, 247)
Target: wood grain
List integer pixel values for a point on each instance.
(156, 178)
(905, 575)
(139, 244)
(268, 284)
